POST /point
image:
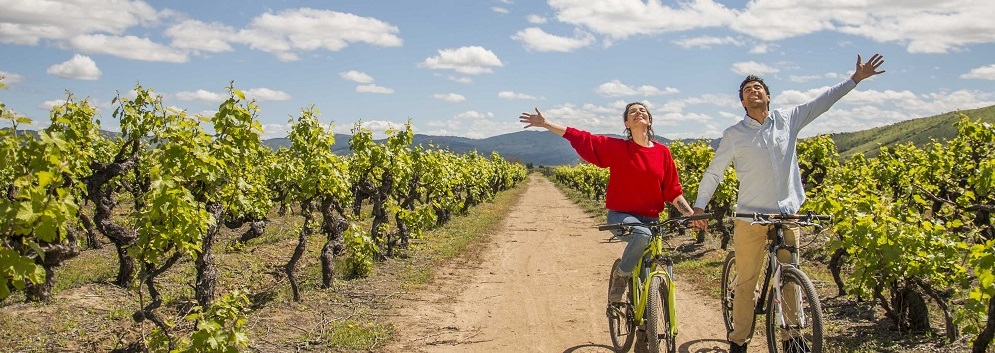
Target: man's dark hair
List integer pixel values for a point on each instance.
(753, 78)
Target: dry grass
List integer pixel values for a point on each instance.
(88, 313)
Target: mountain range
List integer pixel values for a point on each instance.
(536, 147)
(542, 148)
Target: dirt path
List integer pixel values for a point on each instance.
(540, 287)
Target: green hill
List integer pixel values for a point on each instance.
(917, 131)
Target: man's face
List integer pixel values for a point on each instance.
(755, 96)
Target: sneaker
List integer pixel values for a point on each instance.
(796, 345)
(735, 348)
(616, 290)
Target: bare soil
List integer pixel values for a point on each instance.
(540, 286)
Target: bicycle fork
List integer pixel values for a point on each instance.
(671, 297)
(668, 276)
(778, 294)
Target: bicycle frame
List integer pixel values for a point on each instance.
(655, 254)
(773, 271)
(774, 266)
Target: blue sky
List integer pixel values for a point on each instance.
(469, 68)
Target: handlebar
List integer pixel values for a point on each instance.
(681, 221)
(775, 217)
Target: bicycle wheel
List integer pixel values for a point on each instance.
(728, 280)
(658, 320)
(794, 332)
(621, 323)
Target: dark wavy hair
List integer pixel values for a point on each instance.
(625, 117)
(754, 78)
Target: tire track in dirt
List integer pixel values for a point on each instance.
(540, 286)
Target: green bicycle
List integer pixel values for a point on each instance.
(648, 315)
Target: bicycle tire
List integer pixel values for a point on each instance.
(658, 337)
(728, 279)
(670, 316)
(621, 319)
(808, 326)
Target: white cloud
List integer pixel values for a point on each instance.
(128, 47)
(80, 67)
(624, 18)
(806, 78)
(470, 60)
(381, 126)
(536, 39)
(616, 88)
(202, 95)
(450, 97)
(471, 128)
(463, 79)
(48, 105)
(513, 95)
(10, 77)
(258, 94)
(590, 117)
(287, 33)
(984, 72)
(865, 109)
(536, 19)
(266, 94)
(474, 115)
(373, 88)
(29, 22)
(200, 36)
(275, 131)
(706, 42)
(726, 101)
(753, 68)
(368, 86)
(500, 10)
(761, 48)
(356, 76)
(922, 26)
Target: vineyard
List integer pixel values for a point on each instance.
(171, 210)
(912, 230)
(164, 190)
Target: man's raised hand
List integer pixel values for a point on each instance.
(868, 69)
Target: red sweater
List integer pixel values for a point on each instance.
(640, 179)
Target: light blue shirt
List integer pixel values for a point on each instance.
(764, 157)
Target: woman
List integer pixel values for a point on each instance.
(642, 177)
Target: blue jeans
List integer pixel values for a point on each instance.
(637, 241)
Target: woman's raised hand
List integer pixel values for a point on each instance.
(536, 119)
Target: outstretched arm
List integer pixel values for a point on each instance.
(868, 69)
(539, 120)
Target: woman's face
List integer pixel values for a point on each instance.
(637, 117)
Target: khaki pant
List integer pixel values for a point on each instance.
(750, 245)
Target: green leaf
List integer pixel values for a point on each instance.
(25, 213)
(47, 230)
(4, 289)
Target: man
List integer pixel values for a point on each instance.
(762, 150)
